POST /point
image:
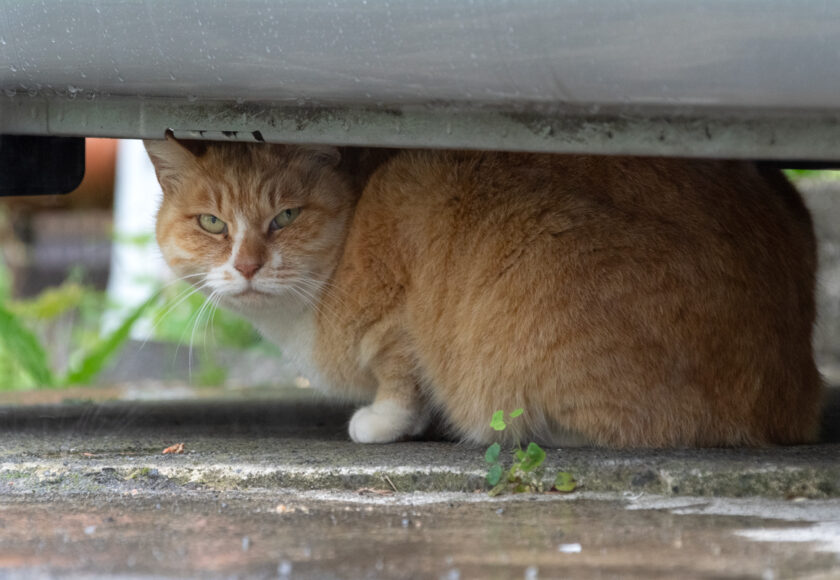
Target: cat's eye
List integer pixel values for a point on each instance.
(284, 218)
(212, 224)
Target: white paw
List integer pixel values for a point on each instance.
(384, 422)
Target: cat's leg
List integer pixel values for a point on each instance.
(397, 410)
(386, 420)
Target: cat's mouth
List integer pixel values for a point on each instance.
(250, 293)
(251, 296)
(248, 298)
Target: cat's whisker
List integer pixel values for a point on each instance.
(184, 278)
(310, 293)
(212, 301)
(330, 286)
(331, 301)
(192, 319)
(177, 301)
(164, 287)
(180, 297)
(218, 301)
(326, 288)
(316, 289)
(183, 294)
(197, 323)
(330, 316)
(306, 300)
(312, 299)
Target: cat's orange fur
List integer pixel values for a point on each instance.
(619, 301)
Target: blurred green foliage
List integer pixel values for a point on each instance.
(68, 316)
(821, 174)
(23, 361)
(55, 340)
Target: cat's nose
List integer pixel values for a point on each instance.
(247, 269)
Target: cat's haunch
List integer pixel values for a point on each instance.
(622, 302)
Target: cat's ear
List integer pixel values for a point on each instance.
(173, 158)
(321, 155)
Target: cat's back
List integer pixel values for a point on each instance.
(630, 301)
(581, 203)
(473, 184)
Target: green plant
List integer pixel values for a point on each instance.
(23, 357)
(55, 339)
(812, 174)
(92, 363)
(526, 472)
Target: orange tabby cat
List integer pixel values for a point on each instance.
(619, 301)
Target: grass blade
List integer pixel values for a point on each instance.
(101, 353)
(25, 349)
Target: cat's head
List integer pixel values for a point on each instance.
(254, 225)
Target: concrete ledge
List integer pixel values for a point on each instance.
(300, 443)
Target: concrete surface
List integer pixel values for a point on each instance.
(306, 535)
(299, 441)
(270, 487)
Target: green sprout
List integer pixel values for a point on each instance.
(526, 473)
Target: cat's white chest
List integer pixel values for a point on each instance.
(296, 338)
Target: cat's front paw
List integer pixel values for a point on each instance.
(384, 422)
